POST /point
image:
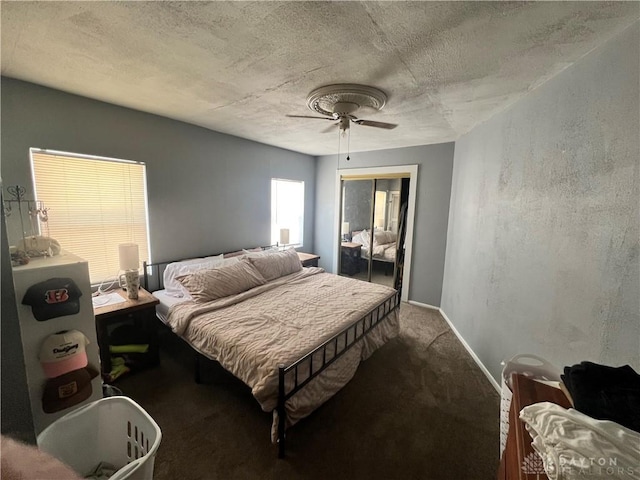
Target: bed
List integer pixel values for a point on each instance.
(295, 338)
(384, 246)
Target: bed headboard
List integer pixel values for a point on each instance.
(153, 276)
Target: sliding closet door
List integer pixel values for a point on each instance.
(386, 211)
(370, 222)
(356, 222)
(376, 224)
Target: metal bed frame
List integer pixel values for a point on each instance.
(339, 344)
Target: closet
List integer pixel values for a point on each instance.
(373, 217)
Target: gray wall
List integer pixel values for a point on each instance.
(432, 210)
(542, 251)
(15, 407)
(208, 192)
(357, 204)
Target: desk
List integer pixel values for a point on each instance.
(140, 311)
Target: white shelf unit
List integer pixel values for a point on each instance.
(34, 332)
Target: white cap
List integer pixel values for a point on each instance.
(63, 352)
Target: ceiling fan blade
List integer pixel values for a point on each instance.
(306, 116)
(330, 128)
(371, 123)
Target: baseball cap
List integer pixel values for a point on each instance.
(63, 352)
(55, 297)
(67, 390)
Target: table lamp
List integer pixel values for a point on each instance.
(345, 232)
(129, 264)
(284, 237)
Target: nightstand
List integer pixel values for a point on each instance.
(309, 259)
(140, 312)
(350, 258)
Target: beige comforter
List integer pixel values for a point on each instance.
(253, 332)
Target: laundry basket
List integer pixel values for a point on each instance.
(525, 364)
(114, 430)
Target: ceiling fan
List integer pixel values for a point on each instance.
(339, 102)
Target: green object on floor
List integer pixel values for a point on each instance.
(118, 368)
(142, 348)
(117, 361)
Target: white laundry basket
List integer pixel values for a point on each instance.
(525, 364)
(115, 430)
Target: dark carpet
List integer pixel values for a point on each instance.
(419, 408)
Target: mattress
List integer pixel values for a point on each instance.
(166, 302)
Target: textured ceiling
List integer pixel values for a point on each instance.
(240, 67)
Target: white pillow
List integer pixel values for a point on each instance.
(242, 252)
(381, 237)
(170, 273)
(172, 286)
(214, 257)
(362, 238)
(259, 251)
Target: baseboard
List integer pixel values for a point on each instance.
(472, 353)
(423, 305)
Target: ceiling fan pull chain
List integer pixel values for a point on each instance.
(348, 144)
(339, 135)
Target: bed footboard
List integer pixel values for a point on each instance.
(339, 344)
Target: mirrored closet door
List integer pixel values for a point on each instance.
(371, 224)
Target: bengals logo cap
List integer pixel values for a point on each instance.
(53, 298)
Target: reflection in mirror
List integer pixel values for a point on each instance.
(385, 232)
(369, 228)
(357, 203)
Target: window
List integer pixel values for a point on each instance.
(287, 211)
(380, 209)
(94, 205)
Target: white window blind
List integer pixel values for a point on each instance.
(94, 205)
(287, 210)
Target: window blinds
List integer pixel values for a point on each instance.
(94, 205)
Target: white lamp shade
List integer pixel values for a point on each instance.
(345, 228)
(129, 257)
(284, 236)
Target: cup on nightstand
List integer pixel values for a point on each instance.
(130, 281)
